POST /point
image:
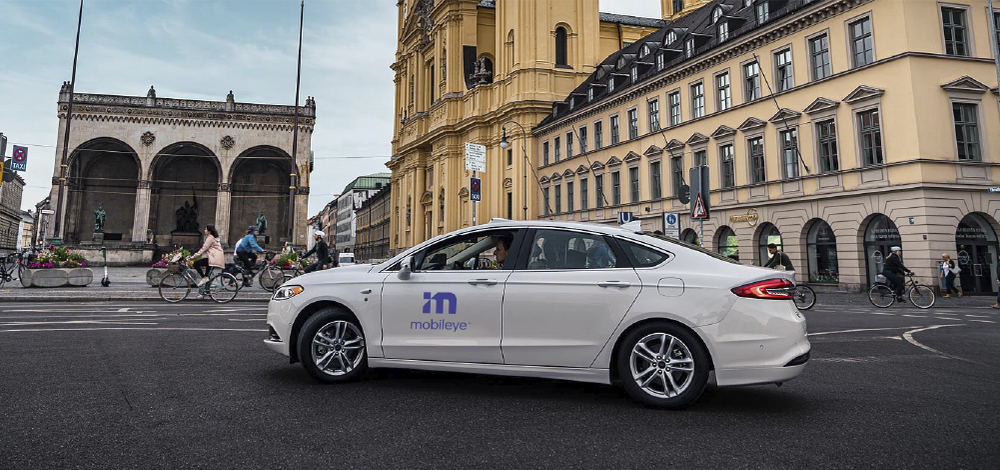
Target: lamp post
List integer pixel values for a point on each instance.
(504, 144)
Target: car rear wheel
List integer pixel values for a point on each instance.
(663, 365)
(331, 346)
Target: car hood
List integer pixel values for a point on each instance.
(339, 274)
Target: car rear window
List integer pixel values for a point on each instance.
(642, 256)
(675, 241)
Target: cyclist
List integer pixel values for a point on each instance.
(322, 252)
(246, 251)
(893, 270)
(778, 257)
(216, 257)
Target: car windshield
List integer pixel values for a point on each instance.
(346, 258)
(675, 241)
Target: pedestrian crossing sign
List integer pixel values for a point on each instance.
(698, 210)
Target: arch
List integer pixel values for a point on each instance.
(562, 52)
(258, 182)
(766, 234)
(727, 243)
(103, 173)
(878, 234)
(821, 252)
(510, 50)
(106, 144)
(488, 61)
(976, 251)
(689, 235)
(257, 151)
(182, 149)
(182, 175)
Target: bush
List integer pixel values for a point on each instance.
(164, 260)
(288, 261)
(58, 257)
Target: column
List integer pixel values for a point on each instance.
(222, 206)
(142, 205)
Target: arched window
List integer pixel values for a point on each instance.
(821, 247)
(716, 14)
(510, 50)
(671, 38)
(561, 46)
(881, 235)
(728, 243)
(768, 234)
(976, 252)
(690, 236)
(678, 6)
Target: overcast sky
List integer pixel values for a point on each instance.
(201, 49)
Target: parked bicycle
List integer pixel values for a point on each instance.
(883, 295)
(176, 286)
(13, 265)
(804, 297)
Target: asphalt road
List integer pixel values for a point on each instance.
(153, 385)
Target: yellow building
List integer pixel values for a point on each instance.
(876, 136)
(464, 69)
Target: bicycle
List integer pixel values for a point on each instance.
(176, 286)
(804, 297)
(882, 294)
(269, 277)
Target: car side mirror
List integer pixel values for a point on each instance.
(405, 268)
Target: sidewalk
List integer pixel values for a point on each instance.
(128, 284)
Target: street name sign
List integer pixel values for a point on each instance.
(475, 157)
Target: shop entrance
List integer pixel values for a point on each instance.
(880, 236)
(976, 254)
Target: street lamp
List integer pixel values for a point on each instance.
(504, 144)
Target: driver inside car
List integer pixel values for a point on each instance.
(502, 247)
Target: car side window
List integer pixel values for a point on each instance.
(642, 256)
(480, 251)
(559, 249)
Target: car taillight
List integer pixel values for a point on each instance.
(775, 289)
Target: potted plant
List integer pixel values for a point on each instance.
(163, 265)
(57, 267)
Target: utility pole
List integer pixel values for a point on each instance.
(57, 233)
(295, 135)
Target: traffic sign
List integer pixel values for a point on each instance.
(700, 189)
(19, 161)
(475, 189)
(47, 211)
(475, 157)
(671, 225)
(698, 209)
(625, 217)
(994, 189)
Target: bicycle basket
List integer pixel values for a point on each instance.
(173, 268)
(881, 279)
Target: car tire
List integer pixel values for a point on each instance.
(330, 340)
(675, 374)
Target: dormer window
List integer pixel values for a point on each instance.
(635, 74)
(600, 73)
(763, 12)
(671, 38)
(621, 63)
(590, 94)
(555, 109)
(572, 102)
(611, 85)
(645, 50)
(660, 61)
(747, 3)
(723, 30)
(689, 47)
(716, 15)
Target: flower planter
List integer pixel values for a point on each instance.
(57, 277)
(154, 275)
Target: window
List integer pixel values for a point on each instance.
(697, 100)
(469, 252)
(967, 131)
(689, 47)
(677, 171)
(569, 196)
(633, 123)
(545, 153)
(783, 67)
(821, 248)
(432, 84)
(862, 48)
(616, 188)
(598, 135)
(756, 150)
(660, 61)
(633, 184)
(545, 199)
(870, 135)
(583, 139)
(996, 29)
(790, 152)
(722, 31)
(510, 157)
(655, 186)
(751, 81)
(569, 144)
(654, 115)
(561, 46)
(826, 134)
(955, 41)
(599, 187)
(611, 85)
(510, 206)
(747, 3)
(763, 12)
(671, 38)
(728, 172)
(768, 234)
(716, 15)
(558, 148)
(642, 257)
(584, 203)
(675, 108)
(645, 50)
(614, 129)
(562, 249)
(819, 54)
(729, 245)
(700, 158)
(678, 6)
(590, 94)
(558, 198)
(634, 74)
(723, 91)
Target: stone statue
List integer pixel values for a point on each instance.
(187, 216)
(99, 217)
(261, 223)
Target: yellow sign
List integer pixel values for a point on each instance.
(750, 217)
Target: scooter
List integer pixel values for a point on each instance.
(105, 282)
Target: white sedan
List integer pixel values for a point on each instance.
(571, 301)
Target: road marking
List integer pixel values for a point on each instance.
(246, 319)
(984, 321)
(915, 316)
(880, 313)
(977, 316)
(81, 322)
(950, 318)
(908, 336)
(860, 330)
(143, 329)
(125, 309)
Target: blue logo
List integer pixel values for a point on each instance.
(625, 217)
(440, 300)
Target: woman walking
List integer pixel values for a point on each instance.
(949, 269)
(216, 257)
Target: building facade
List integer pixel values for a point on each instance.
(26, 231)
(10, 212)
(349, 203)
(879, 136)
(465, 70)
(372, 240)
(146, 161)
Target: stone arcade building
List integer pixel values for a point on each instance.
(148, 161)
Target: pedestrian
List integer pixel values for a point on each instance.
(893, 269)
(778, 257)
(950, 270)
(246, 253)
(215, 258)
(322, 252)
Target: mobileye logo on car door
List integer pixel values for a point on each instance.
(440, 301)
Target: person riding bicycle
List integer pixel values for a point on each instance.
(246, 251)
(322, 252)
(216, 257)
(778, 257)
(893, 270)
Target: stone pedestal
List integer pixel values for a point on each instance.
(98, 237)
(186, 239)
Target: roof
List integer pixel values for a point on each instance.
(643, 54)
(372, 181)
(628, 20)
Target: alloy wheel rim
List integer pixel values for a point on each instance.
(662, 365)
(338, 347)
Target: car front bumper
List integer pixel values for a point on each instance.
(280, 315)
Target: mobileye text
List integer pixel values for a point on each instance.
(438, 325)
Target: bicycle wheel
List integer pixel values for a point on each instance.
(20, 270)
(281, 282)
(268, 277)
(223, 288)
(881, 295)
(805, 297)
(921, 296)
(174, 288)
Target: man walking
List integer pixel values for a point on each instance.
(778, 257)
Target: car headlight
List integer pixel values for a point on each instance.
(287, 292)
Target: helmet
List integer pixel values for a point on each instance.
(896, 248)
(252, 227)
(319, 233)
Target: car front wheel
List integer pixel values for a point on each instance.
(663, 365)
(331, 346)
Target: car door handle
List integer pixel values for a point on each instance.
(366, 291)
(483, 282)
(619, 284)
